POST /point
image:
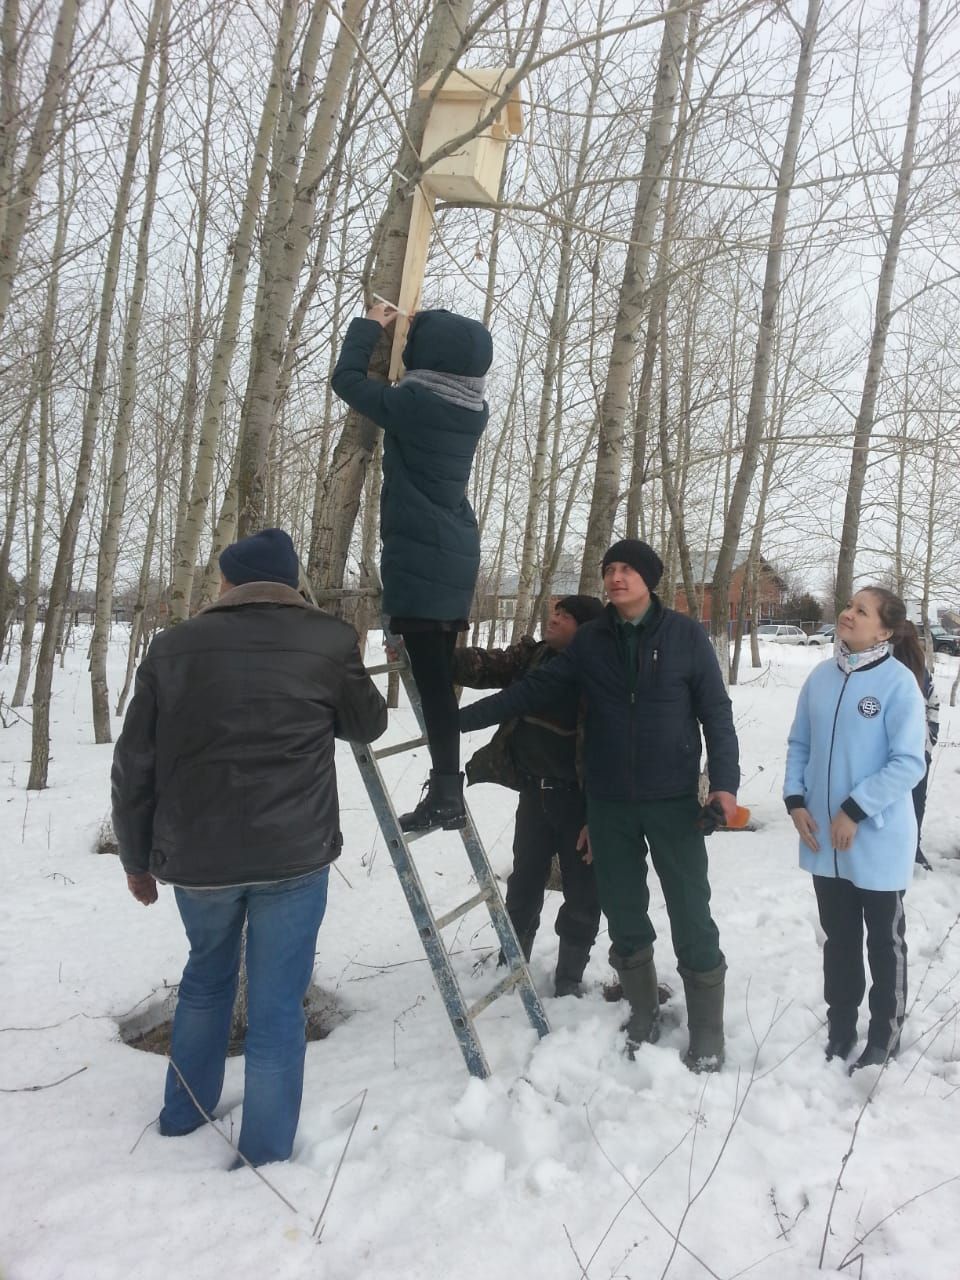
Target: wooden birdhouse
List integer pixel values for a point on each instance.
(471, 173)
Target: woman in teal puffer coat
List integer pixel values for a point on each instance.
(432, 421)
(855, 753)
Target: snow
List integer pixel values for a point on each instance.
(569, 1161)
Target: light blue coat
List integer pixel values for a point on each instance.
(860, 736)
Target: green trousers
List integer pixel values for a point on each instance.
(620, 833)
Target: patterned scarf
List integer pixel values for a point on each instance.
(456, 388)
(848, 662)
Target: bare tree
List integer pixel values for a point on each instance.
(59, 587)
(188, 536)
(769, 303)
(632, 298)
(866, 415)
(157, 36)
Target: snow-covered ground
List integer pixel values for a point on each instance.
(570, 1161)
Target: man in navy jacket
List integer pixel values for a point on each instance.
(651, 681)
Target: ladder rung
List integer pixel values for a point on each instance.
(464, 907)
(503, 986)
(396, 749)
(385, 667)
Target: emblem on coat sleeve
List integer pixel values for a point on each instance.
(869, 707)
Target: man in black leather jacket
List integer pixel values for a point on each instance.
(224, 786)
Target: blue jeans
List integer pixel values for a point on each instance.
(283, 918)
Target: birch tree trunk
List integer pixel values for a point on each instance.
(59, 587)
(32, 585)
(10, 44)
(633, 299)
(190, 402)
(13, 504)
(769, 305)
(866, 415)
(343, 483)
(187, 543)
(15, 207)
(157, 36)
(296, 199)
(559, 316)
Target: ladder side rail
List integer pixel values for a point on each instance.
(446, 980)
(486, 880)
(509, 944)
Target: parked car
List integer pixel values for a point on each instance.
(944, 641)
(824, 634)
(781, 633)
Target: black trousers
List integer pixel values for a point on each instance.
(844, 910)
(920, 802)
(431, 661)
(549, 822)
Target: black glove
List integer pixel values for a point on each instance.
(710, 817)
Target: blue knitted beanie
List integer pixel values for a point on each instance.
(267, 556)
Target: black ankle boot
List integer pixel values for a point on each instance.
(840, 1045)
(875, 1055)
(440, 806)
(571, 961)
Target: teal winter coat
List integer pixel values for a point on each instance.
(431, 544)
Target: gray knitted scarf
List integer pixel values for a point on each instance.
(455, 388)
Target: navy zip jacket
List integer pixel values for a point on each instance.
(642, 734)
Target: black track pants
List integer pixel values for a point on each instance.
(844, 911)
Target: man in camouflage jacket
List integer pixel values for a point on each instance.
(539, 757)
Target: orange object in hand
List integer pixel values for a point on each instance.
(712, 818)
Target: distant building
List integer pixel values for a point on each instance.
(771, 590)
(502, 604)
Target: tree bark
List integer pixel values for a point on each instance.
(188, 538)
(296, 198)
(15, 209)
(633, 299)
(40, 751)
(769, 307)
(866, 415)
(343, 482)
(117, 481)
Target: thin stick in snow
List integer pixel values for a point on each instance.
(317, 1229)
(35, 1088)
(216, 1128)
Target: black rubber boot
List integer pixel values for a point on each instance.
(571, 961)
(704, 992)
(840, 1046)
(875, 1055)
(526, 946)
(440, 806)
(638, 981)
(841, 1036)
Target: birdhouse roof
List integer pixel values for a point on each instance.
(479, 83)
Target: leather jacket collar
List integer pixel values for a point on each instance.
(258, 593)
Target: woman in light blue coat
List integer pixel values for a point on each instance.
(856, 751)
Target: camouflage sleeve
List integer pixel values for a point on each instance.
(492, 668)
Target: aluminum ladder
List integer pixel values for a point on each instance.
(462, 1016)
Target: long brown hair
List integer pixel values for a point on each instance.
(906, 642)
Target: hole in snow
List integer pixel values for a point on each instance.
(149, 1029)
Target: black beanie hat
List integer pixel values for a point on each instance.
(638, 555)
(581, 608)
(267, 556)
(448, 343)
